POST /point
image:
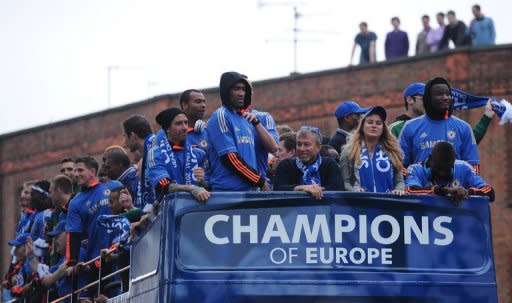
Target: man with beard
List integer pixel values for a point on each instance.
(174, 164)
(193, 104)
(231, 135)
(419, 135)
(413, 97)
(117, 166)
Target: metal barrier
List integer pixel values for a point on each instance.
(97, 282)
(92, 284)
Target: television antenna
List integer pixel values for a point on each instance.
(295, 30)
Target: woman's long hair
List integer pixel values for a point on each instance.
(387, 141)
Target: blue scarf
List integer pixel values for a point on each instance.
(145, 193)
(376, 174)
(25, 222)
(498, 107)
(463, 100)
(181, 173)
(311, 172)
(119, 225)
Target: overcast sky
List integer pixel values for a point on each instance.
(55, 55)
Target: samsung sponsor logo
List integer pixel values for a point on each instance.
(245, 140)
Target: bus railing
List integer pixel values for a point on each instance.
(92, 284)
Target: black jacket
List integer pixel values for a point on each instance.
(289, 175)
(403, 117)
(458, 33)
(338, 140)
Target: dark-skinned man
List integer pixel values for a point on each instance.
(117, 166)
(348, 115)
(443, 175)
(193, 104)
(231, 136)
(419, 135)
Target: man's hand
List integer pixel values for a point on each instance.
(63, 267)
(458, 194)
(77, 269)
(488, 109)
(315, 190)
(200, 193)
(107, 255)
(265, 187)
(101, 298)
(199, 174)
(398, 192)
(251, 117)
(139, 167)
(29, 249)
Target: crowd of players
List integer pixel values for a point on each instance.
(90, 209)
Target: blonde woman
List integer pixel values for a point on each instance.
(372, 160)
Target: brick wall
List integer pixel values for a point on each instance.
(303, 99)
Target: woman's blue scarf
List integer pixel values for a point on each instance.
(376, 174)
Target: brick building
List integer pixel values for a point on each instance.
(300, 99)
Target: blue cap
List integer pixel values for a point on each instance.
(377, 110)
(414, 89)
(20, 240)
(58, 229)
(347, 108)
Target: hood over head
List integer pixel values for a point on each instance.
(227, 80)
(427, 100)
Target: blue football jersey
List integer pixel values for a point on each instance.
(62, 286)
(261, 154)
(419, 136)
(229, 132)
(129, 179)
(463, 175)
(83, 212)
(171, 164)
